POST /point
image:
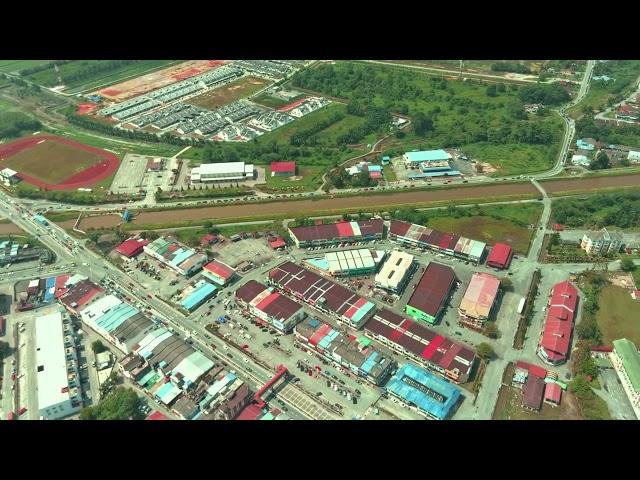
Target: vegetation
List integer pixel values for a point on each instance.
(592, 406)
(491, 330)
(600, 162)
(618, 315)
(16, 124)
(340, 178)
(484, 351)
(627, 265)
(515, 67)
(547, 94)
(448, 113)
(202, 191)
(98, 347)
(24, 190)
(618, 209)
(609, 133)
(4, 349)
(527, 314)
(120, 404)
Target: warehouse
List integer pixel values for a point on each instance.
(84, 292)
(200, 293)
(269, 305)
(131, 247)
(440, 354)
(57, 367)
(323, 294)
(283, 169)
(355, 354)
(431, 293)
(412, 159)
(176, 256)
(348, 262)
(222, 172)
(555, 340)
(423, 392)
(218, 272)
(332, 233)
(396, 272)
(428, 238)
(500, 256)
(478, 300)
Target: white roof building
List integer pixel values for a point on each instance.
(395, 271)
(580, 160)
(53, 360)
(220, 172)
(633, 156)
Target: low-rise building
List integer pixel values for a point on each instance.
(431, 293)
(440, 354)
(218, 272)
(633, 156)
(131, 247)
(57, 373)
(396, 272)
(555, 340)
(269, 305)
(532, 393)
(478, 300)
(355, 354)
(626, 362)
(500, 256)
(283, 169)
(347, 262)
(176, 256)
(9, 176)
(423, 392)
(222, 172)
(581, 160)
(195, 296)
(333, 233)
(601, 242)
(415, 158)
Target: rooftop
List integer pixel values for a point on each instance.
(394, 269)
(427, 156)
(433, 289)
(283, 166)
(500, 254)
(559, 321)
(480, 295)
(532, 392)
(131, 247)
(339, 230)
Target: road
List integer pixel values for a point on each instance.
(603, 115)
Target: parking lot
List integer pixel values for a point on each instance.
(133, 174)
(157, 278)
(613, 393)
(255, 250)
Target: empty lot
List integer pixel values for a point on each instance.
(231, 92)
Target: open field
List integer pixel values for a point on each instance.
(56, 163)
(311, 177)
(497, 224)
(283, 134)
(516, 158)
(10, 228)
(619, 315)
(273, 102)
(230, 92)
(508, 407)
(589, 184)
(157, 79)
(9, 66)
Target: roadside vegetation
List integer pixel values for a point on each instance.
(616, 209)
(121, 404)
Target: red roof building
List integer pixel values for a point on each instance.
(431, 293)
(132, 247)
(283, 169)
(270, 305)
(556, 336)
(250, 412)
(532, 392)
(208, 239)
(363, 230)
(278, 242)
(157, 416)
(552, 394)
(500, 256)
(218, 272)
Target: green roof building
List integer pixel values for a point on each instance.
(626, 361)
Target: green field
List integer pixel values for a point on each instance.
(9, 66)
(498, 223)
(273, 102)
(49, 77)
(464, 114)
(311, 177)
(618, 316)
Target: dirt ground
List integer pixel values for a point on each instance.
(9, 228)
(153, 81)
(509, 407)
(229, 93)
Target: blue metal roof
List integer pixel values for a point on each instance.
(116, 316)
(446, 173)
(181, 256)
(370, 362)
(428, 156)
(417, 394)
(198, 296)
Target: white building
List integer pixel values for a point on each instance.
(601, 242)
(626, 362)
(581, 160)
(396, 272)
(222, 172)
(9, 176)
(57, 367)
(633, 156)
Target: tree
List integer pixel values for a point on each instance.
(627, 265)
(491, 330)
(484, 351)
(98, 347)
(207, 224)
(120, 404)
(422, 124)
(506, 284)
(491, 91)
(601, 162)
(4, 349)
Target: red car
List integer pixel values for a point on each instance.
(22, 410)
(149, 295)
(13, 377)
(244, 346)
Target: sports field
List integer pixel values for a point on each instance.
(57, 163)
(230, 92)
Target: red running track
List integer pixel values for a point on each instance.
(101, 170)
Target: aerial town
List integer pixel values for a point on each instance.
(319, 240)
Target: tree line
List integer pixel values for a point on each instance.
(93, 69)
(41, 68)
(305, 137)
(547, 94)
(14, 124)
(514, 67)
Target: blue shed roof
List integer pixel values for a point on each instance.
(199, 295)
(428, 156)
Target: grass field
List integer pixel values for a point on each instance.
(516, 158)
(274, 102)
(618, 316)
(51, 162)
(9, 66)
(499, 223)
(49, 77)
(231, 92)
(311, 177)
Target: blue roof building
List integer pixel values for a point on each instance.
(203, 291)
(386, 160)
(426, 156)
(585, 144)
(422, 391)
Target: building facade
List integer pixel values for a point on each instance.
(626, 362)
(601, 242)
